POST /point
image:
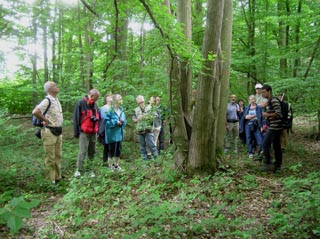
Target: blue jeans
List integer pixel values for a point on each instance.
(145, 140)
(257, 135)
(272, 137)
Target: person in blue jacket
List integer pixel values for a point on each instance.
(251, 124)
(115, 121)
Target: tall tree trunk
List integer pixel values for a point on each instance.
(226, 43)
(297, 42)
(120, 37)
(34, 58)
(200, 159)
(88, 30)
(184, 17)
(182, 90)
(44, 24)
(142, 49)
(283, 38)
(251, 42)
(81, 57)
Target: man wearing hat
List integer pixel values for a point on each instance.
(262, 102)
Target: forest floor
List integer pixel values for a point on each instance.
(302, 150)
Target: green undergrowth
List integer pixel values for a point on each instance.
(150, 199)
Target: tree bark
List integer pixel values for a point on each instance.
(203, 131)
(226, 43)
(283, 39)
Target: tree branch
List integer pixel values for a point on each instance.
(88, 6)
(115, 36)
(146, 6)
(311, 59)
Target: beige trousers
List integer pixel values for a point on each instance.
(53, 153)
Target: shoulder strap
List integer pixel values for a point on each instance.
(44, 113)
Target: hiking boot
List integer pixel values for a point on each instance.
(77, 174)
(267, 168)
(250, 156)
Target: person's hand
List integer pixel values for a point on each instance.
(45, 122)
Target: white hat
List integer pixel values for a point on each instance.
(258, 86)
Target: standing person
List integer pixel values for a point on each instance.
(156, 127)
(272, 137)
(260, 100)
(251, 122)
(232, 124)
(163, 116)
(51, 133)
(86, 118)
(143, 118)
(287, 116)
(115, 121)
(242, 134)
(101, 134)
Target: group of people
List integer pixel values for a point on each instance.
(259, 125)
(91, 124)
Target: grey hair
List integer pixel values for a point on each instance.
(140, 97)
(252, 97)
(116, 97)
(48, 85)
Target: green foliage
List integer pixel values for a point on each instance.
(297, 214)
(14, 211)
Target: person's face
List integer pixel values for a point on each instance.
(94, 97)
(252, 100)
(258, 91)
(140, 101)
(241, 103)
(233, 98)
(158, 100)
(109, 99)
(54, 89)
(152, 100)
(119, 101)
(265, 93)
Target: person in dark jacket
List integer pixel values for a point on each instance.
(86, 118)
(251, 124)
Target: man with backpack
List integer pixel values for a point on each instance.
(86, 118)
(51, 133)
(273, 114)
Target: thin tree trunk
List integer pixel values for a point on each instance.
(44, 23)
(282, 41)
(34, 58)
(297, 42)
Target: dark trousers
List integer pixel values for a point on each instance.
(115, 149)
(272, 137)
(105, 152)
(161, 139)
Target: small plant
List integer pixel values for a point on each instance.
(13, 212)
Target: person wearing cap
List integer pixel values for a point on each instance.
(260, 101)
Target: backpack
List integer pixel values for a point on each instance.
(37, 122)
(287, 116)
